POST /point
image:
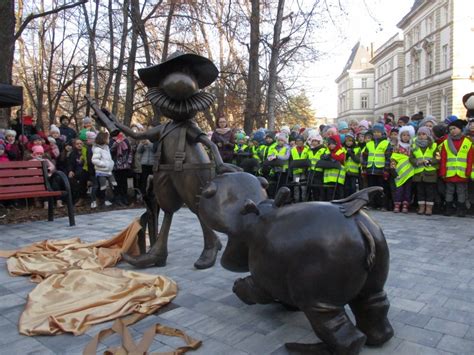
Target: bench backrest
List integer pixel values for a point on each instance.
(22, 176)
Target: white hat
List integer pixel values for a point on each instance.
(54, 128)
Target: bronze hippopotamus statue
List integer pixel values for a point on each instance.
(314, 256)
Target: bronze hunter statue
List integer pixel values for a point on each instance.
(314, 256)
(182, 165)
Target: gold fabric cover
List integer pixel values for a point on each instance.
(75, 290)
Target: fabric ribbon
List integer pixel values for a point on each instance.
(128, 346)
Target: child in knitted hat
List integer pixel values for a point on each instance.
(351, 164)
(457, 156)
(402, 170)
(334, 177)
(376, 165)
(12, 147)
(425, 158)
(280, 153)
(241, 149)
(316, 150)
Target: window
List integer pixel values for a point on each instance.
(364, 83)
(417, 68)
(364, 101)
(444, 105)
(417, 33)
(409, 40)
(409, 74)
(429, 63)
(445, 57)
(428, 106)
(429, 25)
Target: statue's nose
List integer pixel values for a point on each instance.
(179, 86)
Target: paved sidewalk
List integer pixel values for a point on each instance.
(431, 288)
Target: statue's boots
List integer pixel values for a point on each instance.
(371, 317)
(332, 325)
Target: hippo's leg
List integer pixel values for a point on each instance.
(371, 317)
(332, 325)
(212, 245)
(158, 252)
(250, 293)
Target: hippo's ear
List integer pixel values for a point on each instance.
(263, 182)
(210, 190)
(249, 207)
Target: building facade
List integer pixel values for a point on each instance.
(356, 86)
(389, 64)
(428, 67)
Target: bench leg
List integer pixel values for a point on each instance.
(50, 209)
(70, 210)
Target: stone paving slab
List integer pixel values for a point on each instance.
(431, 289)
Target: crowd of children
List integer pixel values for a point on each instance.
(418, 161)
(91, 160)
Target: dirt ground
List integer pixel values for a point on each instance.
(22, 213)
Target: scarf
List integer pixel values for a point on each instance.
(405, 146)
(222, 130)
(122, 147)
(422, 143)
(451, 145)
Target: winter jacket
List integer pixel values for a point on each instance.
(146, 153)
(67, 132)
(122, 154)
(102, 159)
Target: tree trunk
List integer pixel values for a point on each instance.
(7, 43)
(272, 67)
(135, 17)
(166, 40)
(123, 43)
(251, 103)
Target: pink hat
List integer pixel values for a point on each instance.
(37, 149)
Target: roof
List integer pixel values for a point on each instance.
(356, 60)
(416, 5)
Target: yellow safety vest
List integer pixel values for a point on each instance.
(333, 176)
(255, 150)
(350, 165)
(314, 158)
(457, 164)
(297, 156)
(420, 156)
(279, 153)
(404, 169)
(242, 148)
(376, 154)
(264, 150)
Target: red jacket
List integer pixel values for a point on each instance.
(444, 159)
(341, 158)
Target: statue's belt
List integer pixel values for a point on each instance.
(179, 164)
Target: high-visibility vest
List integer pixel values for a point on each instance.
(242, 148)
(263, 150)
(376, 154)
(333, 176)
(457, 164)
(314, 158)
(279, 153)
(255, 150)
(420, 156)
(350, 165)
(295, 155)
(404, 169)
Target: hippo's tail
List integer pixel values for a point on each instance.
(355, 202)
(369, 241)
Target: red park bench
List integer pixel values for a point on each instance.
(28, 179)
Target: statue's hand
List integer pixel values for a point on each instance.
(227, 168)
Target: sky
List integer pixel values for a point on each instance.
(366, 21)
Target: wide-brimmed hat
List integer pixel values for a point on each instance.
(202, 68)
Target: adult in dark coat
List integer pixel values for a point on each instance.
(65, 130)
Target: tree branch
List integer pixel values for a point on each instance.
(31, 17)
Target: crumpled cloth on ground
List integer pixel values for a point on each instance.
(50, 257)
(75, 290)
(73, 301)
